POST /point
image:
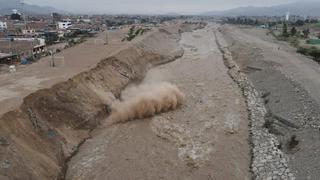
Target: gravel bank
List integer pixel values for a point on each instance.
(289, 85)
(268, 161)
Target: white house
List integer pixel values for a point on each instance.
(84, 20)
(3, 25)
(64, 24)
(28, 31)
(287, 16)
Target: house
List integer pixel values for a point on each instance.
(6, 58)
(22, 46)
(28, 31)
(34, 26)
(264, 26)
(3, 25)
(64, 24)
(84, 20)
(40, 47)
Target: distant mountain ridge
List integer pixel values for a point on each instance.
(308, 8)
(6, 7)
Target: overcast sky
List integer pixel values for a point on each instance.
(152, 6)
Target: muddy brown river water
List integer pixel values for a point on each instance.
(206, 138)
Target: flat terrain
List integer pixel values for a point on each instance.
(14, 87)
(207, 138)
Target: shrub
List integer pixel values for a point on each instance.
(133, 33)
(285, 30)
(294, 42)
(293, 31)
(303, 50)
(315, 53)
(306, 33)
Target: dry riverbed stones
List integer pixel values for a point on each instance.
(268, 161)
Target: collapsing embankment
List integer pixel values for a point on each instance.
(37, 139)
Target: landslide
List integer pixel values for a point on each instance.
(39, 138)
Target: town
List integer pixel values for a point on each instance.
(26, 38)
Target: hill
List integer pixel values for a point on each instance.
(298, 8)
(6, 7)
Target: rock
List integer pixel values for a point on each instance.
(6, 164)
(3, 141)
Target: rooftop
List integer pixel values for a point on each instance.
(5, 55)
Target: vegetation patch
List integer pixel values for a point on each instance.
(293, 35)
(134, 32)
(312, 52)
(317, 25)
(313, 41)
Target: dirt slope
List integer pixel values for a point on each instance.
(207, 138)
(15, 86)
(37, 139)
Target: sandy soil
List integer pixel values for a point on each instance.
(207, 138)
(290, 86)
(14, 87)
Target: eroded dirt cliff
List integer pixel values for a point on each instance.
(37, 139)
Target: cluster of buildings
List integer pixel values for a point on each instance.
(28, 37)
(259, 20)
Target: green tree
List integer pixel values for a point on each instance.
(285, 30)
(143, 21)
(306, 33)
(293, 31)
(299, 23)
(131, 33)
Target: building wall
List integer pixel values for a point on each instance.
(64, 25)
(3, 25)
(28, 31)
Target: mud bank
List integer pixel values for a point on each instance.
(37, 139)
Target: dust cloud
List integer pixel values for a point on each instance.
(146, 100)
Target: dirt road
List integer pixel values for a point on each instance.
(207, 138)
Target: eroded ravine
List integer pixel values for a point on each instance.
(38, 138)
(206, 138)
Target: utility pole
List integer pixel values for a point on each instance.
(107, 37)
(24, 14)
(10, 46)
(52, 64)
